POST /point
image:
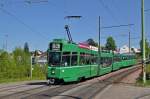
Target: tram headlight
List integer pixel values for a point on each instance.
(53, 72)
(63, 71)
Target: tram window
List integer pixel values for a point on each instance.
(101, 61)
(54, 58)
(66, 59)
(124, 58)
(87, 59)
(117, 59)
(74, 58)
(128, 57)
(110, 61)
(50, 46)
(132, 57)
(82, 59)
(94, 59)
(106, 61)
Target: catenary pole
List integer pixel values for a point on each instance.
(129, 42)
(99, 44)
(143, 41)
(31, 67)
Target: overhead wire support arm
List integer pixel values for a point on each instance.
(125, 25)
(146, 10)
(35, 1)
(67, 27)
(69, 17)
(68, 33)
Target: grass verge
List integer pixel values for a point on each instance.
(20, 79)
(140, 79)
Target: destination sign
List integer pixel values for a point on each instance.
(55, 46)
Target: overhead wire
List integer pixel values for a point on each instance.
(114, 4)
(36, 1)
(147, 10)
(124, 25)
(22, 22)
(24, 1)
(112, 16)
(108, 11)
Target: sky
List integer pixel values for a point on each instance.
(38, 23)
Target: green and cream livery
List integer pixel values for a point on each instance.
(69, 62)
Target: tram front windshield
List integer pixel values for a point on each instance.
(54, 58)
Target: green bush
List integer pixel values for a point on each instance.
(148, 68)
(16, 66)
(38, 72)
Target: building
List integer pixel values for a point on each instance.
(125, 49)
(40, 57)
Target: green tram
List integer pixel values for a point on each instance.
(69, 62)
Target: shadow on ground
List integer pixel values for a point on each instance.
(37, 83)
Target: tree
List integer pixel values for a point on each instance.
(16, 66)
(22, 60)
(26, 47)
(147, 47)
(90, 41)
(110, 44)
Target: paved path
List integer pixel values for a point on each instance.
(121, 91)
(125, 89)
(132, 78)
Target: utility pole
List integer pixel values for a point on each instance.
(99, 43)
(6, 42)
(31, 59)
(129, 42)
(99, 33)
(143, 41)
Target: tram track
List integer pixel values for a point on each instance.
(93, 89)
(11, 87)
(25, 93)
(53, 92)
(116, 79)
(15, 86)
(83, 90)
